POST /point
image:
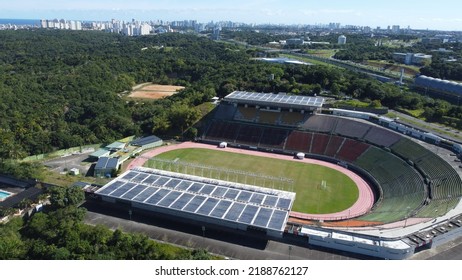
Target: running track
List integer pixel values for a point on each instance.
(361, 206)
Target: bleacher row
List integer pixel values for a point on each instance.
(357, 142)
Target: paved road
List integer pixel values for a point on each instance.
(232, 244)
(454, 134)
(450, 251)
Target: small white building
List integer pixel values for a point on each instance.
(341, 40)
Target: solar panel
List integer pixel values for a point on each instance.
(277, 220)
(169, 199)
(129, 175)
(270, 200)
(111, 187)
(134, 192)
(157, 196)
(140, 177)
(145, 140)
(182, 201)
(274, 99)
(221, 208)
(172, 183)
(219, 191)
(194, 203)
(263, 217)
(183, 185)
(208, 205)
(195, 187)
(283, 203)
(183, 193)
(248, 214)
(257, 198)
(122, 189)
(145, 194)
(161, 181)
(151, 179)
(234, 211)
(244, 196)
(207, 189)
(231, 193)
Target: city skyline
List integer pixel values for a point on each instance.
(441, 15)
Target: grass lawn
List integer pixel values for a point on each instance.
(339, 193)
(327, 53)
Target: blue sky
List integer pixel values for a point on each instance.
(443, 14)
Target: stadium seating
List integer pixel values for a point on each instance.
(351, 128)
(403, 188)
(246, 114)
(320, 123)
(351, 150)
(225, 112)
(334, 144)
(267, 117)
(273, 138)
(381, 137)
(319, 143)
(445, 182)
(292, 118)
(222, 131)
(249, 134)
(299, 141)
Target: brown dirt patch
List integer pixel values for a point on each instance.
(153, 91)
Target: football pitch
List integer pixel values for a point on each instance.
(319, 189)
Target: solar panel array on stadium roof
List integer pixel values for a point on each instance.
(275, 98)
(247, 206)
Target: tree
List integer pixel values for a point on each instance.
(64, 196)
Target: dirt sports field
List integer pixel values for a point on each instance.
(153, 91)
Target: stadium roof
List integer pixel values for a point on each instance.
(145, 140)
(271, 99)
(221, 200)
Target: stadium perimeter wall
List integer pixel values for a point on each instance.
(396, 250)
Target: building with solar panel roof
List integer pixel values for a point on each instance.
(275, 102)
(202, 200)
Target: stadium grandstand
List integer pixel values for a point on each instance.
(409, 181)
(202, 200)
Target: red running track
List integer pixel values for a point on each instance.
(360, 207)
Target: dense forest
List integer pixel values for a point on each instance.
(59, 233)
(62, 88)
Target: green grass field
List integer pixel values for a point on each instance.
(338, 194)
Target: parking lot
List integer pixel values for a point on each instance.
(65, 163)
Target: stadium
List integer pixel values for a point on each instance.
(408, 180)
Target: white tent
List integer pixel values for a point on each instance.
(300, 155)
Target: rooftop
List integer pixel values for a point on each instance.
(107, 163)
(145, 140)
(244, 204)
(271, 99)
